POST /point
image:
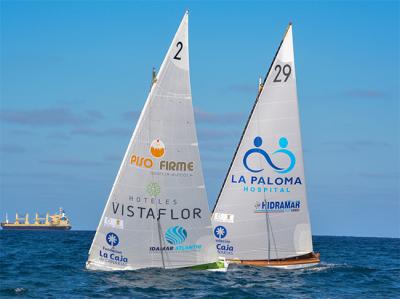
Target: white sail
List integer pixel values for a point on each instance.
(157, 214)
(261, 212)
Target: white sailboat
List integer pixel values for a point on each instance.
(157, 213)
(261, 216)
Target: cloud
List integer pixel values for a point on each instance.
(12, 149)
(365, 94)
(47, 117)
(71, 162)
(244, 88)
(202, 116)
(131, 116)
(58, 135)
(212, 134)
(357, 144)
(101, 133)
(380, 175)
(94, 114)
(21, 132)
(53, 177)
(113, 157)
(218, 146)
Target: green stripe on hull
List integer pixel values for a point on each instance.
(210, 266)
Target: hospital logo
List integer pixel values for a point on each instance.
(257, 150)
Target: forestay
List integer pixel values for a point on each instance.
(157, 213)
(261, 212)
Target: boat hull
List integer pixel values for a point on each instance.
(304, 261)
(33, 227)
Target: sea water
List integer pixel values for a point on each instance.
(52, 264)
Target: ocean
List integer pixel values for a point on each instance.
(52, 265)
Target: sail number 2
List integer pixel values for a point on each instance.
(286, 70)
(179, 45)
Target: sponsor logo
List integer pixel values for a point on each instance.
(157, 148)
(153, 207)
(141, 212)
(220, 232)
(223, 245)
(283, 143)
(176, 235)
(278, 206)
(112, 239)
(112, 255)
(153, 189)
(113, 222)
(281, 161)
(164, 167)
(222, 217)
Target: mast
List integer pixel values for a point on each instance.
(261, 87)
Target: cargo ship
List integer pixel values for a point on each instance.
(58, 221)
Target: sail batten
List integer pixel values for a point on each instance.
(263, 196)
(157, 213)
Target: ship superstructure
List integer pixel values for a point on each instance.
(58, 221)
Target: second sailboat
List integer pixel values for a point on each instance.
(261, 216)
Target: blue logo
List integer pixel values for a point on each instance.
(283, 143)
(112, 239)
(220, 232)
(176, 235)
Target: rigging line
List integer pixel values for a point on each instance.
(251, 114)
(273, 237)
(159, 228)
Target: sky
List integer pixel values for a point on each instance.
(75, 75)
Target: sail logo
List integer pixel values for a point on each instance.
(223, 245)
(220, 232)
(277, 206)
(112, 239)
(283, 143)
(153, 189)
(113, 222)
(157, 150)
(176, 235)
(112, 255)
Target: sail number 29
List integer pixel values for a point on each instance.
(286, 70)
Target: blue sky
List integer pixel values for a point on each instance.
(75, 75)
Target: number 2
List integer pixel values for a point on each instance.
(286, 70)
(179, 45)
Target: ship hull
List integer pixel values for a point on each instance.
(32, 227)
(305, 261)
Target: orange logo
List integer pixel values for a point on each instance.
(157, 148)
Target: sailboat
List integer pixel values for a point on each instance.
(157, 213)
(261, 215)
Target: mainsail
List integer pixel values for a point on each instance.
(157, 214)
(261, 212)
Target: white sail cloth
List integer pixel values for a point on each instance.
(262, 212)
(157, 214)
